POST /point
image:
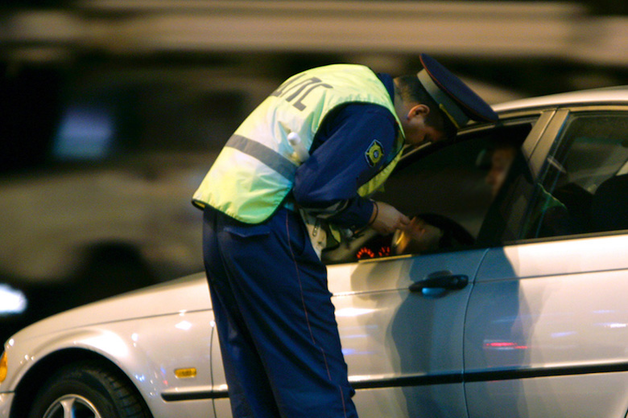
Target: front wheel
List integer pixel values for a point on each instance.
(87, 390)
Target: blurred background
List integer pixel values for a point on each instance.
(113, 110)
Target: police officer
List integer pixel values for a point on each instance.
(306, 161)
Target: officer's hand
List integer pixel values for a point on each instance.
(386, 219)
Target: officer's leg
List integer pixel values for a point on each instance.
(281, 289)
(249, 389)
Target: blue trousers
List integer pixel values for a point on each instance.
(278, 334)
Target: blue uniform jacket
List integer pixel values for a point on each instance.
(338, 164)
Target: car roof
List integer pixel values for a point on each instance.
(609, 95)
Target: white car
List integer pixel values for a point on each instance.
(519, 311)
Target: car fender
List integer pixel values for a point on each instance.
(128, 346)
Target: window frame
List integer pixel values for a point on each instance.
(548, 145)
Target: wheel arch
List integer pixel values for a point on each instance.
(36, 376)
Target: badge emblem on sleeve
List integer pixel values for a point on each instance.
(374, 153)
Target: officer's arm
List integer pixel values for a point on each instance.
(327, 183)
(386, 219)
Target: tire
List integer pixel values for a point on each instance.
(87, 390)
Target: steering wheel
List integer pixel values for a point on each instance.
(433, 232)
(451, 234)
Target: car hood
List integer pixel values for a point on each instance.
(182, 295)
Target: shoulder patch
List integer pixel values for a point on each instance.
(374, 153)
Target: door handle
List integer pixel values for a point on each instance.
(441, 280)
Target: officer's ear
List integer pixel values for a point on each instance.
(418, 110)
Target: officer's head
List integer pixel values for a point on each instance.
(435, 104)
(420, 115)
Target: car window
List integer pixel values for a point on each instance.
(446, 190)
(584, 188)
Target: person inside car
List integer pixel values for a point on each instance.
(549, 215)
(502, 155)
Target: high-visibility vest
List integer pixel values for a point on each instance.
(256, 169)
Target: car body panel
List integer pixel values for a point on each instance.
(611, 95)
(6, 399)
(147, 350)
(391, 344)
(181, 295)
(591, 396)
(549, 315)
(147, 334)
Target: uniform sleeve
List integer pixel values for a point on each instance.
(345, 155)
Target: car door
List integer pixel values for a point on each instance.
(403, 342)
(546, 332)
(401, 317)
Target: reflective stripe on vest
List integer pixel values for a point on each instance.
(255, 170)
